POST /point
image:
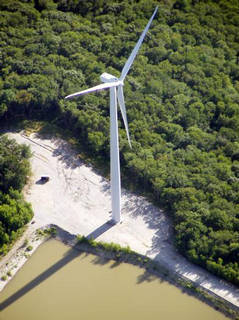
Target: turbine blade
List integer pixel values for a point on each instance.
(123, 111)
(96, 88)
(136, 48)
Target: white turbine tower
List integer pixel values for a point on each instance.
(113, 83)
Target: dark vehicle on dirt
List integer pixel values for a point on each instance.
(45, 179)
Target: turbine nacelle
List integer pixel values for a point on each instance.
(106, 77)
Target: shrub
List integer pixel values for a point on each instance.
(4, 278)
(40, 232)
(9, 273)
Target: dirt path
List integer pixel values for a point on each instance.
(78, 200)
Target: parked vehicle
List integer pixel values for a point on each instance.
(45, 179)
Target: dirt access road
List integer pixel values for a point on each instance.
(77, 199)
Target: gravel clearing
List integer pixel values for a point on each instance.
(77, 199)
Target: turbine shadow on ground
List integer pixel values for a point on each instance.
(68, 257)
(101, 229)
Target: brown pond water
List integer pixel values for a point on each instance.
(60, 283)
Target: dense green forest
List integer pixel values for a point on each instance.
(182, 99)
(14, 170)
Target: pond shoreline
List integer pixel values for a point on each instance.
(20, 253)
(77, 199)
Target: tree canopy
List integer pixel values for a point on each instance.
(14, 170)
(182, 96)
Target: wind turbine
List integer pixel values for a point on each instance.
(116, 91)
